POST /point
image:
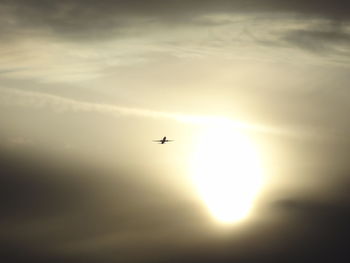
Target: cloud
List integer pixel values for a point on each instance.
(61, 104)
(58, 210)
(55, 208)
(75, 41)
(58, 104)
(321, 40)
(94, 21)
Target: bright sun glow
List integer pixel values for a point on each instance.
(227, 172)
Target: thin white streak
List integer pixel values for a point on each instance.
(61, 104)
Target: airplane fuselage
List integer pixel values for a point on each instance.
(163, 141)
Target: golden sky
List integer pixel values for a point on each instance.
(254, 93)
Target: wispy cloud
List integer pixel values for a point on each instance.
(83, 19)
(39, 54)
(21, 98)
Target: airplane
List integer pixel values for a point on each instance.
(164, 140)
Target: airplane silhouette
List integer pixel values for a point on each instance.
(164, 140)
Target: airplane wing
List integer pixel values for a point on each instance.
(157, 141)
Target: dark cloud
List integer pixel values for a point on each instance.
(65, 212)
(57, 210)
(97, 19)
(319, 40)
(311, 230)
(323, 227)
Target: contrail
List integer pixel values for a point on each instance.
(62, 104)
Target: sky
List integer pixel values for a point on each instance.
(254, 94)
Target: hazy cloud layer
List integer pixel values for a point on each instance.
(52, 208)
(78, 18)
(321, 40)
(20, 98)
(95, 21)
(78, 185)
(47, 59)
(73, 41)
(59, 210)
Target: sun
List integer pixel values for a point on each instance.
(227, 172)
